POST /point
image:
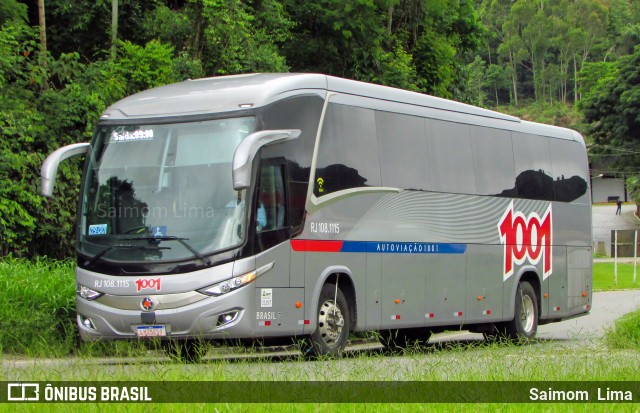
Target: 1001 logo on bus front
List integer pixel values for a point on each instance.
(526, 238)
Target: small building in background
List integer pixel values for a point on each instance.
(607, 185)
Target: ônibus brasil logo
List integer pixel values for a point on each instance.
(526, 238)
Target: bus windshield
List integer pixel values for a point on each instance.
(162, 192)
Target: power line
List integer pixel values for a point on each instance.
(623, 151)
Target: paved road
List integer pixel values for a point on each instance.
(607, 307)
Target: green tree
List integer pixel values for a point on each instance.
(396, 70)
(340, 38)
(588, 19)
(496, 15)
(45, 108)
(452, 33)
(24, 137)
(612, 110)
(498, 80)
(85, 26)
(478, 79)
(239, 38)
(624, 25)
(12, 9)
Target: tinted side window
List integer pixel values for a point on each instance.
(301, 112)
(403, 151)
(533, 167)
(271, 208)
(271, 199)
(493, 162)
(450, 157)
(348, 152)
(569, 163)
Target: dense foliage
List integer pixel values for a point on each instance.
(551, 53)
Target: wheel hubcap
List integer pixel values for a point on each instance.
(527, 315)
(330, 322)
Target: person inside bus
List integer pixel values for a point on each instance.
(261, 217)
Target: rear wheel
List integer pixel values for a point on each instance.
(333, 324)
(525, 322)
(405, 338)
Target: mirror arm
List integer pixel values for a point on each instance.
(50, 165)
(249, 147)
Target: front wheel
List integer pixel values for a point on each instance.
(525, 322)
(333, 324)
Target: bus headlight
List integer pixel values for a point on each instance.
(87, 293)
(236, 282)
(230, 285)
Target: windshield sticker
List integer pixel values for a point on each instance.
(159, 231)
(98, 229)
(128, 136)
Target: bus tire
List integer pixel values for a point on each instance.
(333, 325)
(525, 321)
(404, 338)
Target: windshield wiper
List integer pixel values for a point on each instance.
(182, 241)
(90, 262)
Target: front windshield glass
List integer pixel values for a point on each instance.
(163, 192)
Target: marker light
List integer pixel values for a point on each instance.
(235, 282)
(87, 293)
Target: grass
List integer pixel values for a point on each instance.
(603, 277)
(37, 307)
(538, 361)
(625, 334)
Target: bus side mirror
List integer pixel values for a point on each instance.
(246, 152)
(50, 165)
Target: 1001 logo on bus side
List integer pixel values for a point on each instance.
(526, 238)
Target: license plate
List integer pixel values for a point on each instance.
(151, 331)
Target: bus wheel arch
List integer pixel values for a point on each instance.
(345, 284)
(527, 302)
(518, 329)
(533, 279)
(334, 316)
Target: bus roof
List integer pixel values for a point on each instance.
(232, 93)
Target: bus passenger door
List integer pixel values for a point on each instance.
(271, 227)
(277, 309)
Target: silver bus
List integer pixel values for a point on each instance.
(269, 206)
